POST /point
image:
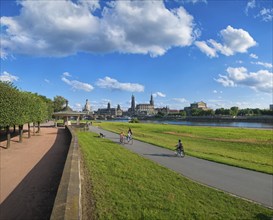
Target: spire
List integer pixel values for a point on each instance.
(152, 100)
(133, 103)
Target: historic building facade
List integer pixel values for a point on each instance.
(142, 109)
(109, 112)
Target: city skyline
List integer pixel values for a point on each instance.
(104, 51)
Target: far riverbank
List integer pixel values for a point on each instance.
(262, 122)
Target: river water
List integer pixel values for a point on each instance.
(218, 124)
(214, 124)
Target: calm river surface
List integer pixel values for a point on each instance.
(216, 124)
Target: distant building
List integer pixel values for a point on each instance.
(87, 107)
(109, 112)
(164, 110)
(271, 107)
(142, 109)
(199, 105)
(196, 105)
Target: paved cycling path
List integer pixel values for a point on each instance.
(244, 183)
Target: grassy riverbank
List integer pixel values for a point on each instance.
(127, 186)
(246, 148)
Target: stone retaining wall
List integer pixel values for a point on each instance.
(67, 203)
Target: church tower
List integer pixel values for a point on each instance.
(133, 104)
(152, 100)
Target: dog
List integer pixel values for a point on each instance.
(102, 135)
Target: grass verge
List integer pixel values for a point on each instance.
(127, 186)
(245, 148)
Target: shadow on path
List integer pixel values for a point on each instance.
(34, 197)
(161, 155)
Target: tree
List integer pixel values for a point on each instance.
(234, 111)
(8, 102)
(58, 103)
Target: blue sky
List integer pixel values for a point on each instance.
(181, 51)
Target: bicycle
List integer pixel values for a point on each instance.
(127, 140)
(180, 152)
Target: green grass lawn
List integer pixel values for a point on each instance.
(246, 148)
(127, 186)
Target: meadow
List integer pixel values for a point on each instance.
(127, 186)
(242, 147)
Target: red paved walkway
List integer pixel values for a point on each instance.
(30, 173)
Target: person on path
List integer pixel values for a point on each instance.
(129, 134)
(179, 148)
(121, 137)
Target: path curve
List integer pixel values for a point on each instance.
(247, 184)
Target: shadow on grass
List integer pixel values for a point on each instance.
(34, 197)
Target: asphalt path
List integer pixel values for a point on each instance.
(250, 185)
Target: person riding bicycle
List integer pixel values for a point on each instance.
(179, 147)
(129, 134)
(121, 137)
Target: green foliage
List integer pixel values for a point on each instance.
(134, 120)
(127, 186)
(9, 96)
(58, 103)
(201, 112)
(234, 111)
(246, 148)
(222, 111)
(18, 108)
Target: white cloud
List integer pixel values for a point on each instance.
(234, 41)
(159, 94)
(180, 100)
(202, 45)
(266, 14)
(250, 5)
(7, 77)
(109, 83)
(195, 1)
(46, 80)
(216, 92)
(64, 28)
(77, 85)
(266, 65)
(254, 56)
(259, 81)
(77, 107)
(66, 74)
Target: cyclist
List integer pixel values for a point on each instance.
(129, 134)
(179, 148)
(121, 137)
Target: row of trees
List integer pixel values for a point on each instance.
(18, 108)
(233, 111)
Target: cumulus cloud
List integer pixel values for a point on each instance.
(77, 85)
(7, 77)
(159, 94)
(202, 45)
(109, 83)
(233, 41)
(64, 28)
(259, 81)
